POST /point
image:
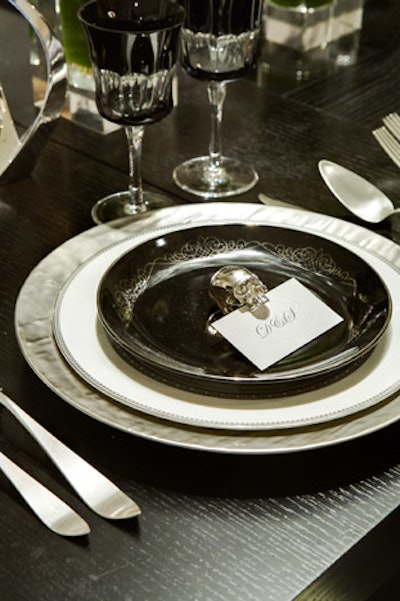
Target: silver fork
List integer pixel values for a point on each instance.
(97, 491)
(388, 143)
(392, 122)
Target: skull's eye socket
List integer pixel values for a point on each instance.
(241, 289)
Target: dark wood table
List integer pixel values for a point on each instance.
(319, 524)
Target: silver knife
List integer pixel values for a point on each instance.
(97, 491)
(49, 508)
(272, 202)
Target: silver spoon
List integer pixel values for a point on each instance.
(357, 194)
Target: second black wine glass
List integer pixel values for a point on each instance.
(219, 44)
(133, 49)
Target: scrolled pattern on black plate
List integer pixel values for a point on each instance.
(127, 292)
(312, 258)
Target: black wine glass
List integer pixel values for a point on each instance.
(133, 49)
(219, 43)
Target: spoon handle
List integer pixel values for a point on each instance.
(49, 508)
(97, 491)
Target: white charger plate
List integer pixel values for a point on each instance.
(83, 343)
(34, 314)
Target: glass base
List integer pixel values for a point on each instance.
(232, 177)
(117, 205)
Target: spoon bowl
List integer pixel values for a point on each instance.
(357, 194)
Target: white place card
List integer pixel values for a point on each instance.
(292, 317)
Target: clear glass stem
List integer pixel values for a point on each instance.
(216, 96)
(135, 139)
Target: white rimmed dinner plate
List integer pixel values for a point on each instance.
(83, 343)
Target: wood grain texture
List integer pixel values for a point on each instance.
(213, 527)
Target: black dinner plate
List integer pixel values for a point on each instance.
(153, 304)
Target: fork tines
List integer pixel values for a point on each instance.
(388, 143)
(392, 122)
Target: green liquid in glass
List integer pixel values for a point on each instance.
(73, 36)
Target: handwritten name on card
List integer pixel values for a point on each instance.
(292, 317)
